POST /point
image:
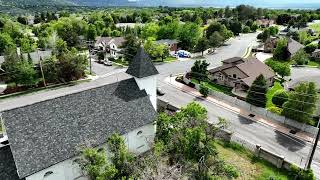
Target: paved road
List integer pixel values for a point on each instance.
(293, 149)
(255, 133)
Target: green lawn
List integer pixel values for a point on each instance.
(216, 87)
(316, 27)
(276, 87)
(168, 59)
(249, 166)
(313, 63)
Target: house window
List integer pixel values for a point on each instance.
(234, 76)
(139, 132)
(47, 174)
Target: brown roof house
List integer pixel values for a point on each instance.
(240, 73)
(171, 43)
(293, 47)
(263, 23)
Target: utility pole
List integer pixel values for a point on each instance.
(90, 46)
(40, 63)
(314, 148)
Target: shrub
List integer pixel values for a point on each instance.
(301, 174)
(231, 171)
(276, 110)
(246, 29)
(279, 98)
(204, 90)
(310, 48)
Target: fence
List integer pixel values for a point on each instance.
(259, 111)
(227, 136)
(278, 160)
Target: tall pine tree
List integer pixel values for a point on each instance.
(257, 92)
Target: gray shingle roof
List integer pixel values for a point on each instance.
(48, 132)
(233, 60)
(294, 46)
(141, 66)
(8, 169)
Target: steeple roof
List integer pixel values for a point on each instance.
(141, 66)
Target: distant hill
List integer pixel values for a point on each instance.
(19, 3)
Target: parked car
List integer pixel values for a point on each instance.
(160, 92)
(107, 63)
(183, 54)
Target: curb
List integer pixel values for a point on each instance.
(242, 115)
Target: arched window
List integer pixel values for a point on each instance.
(139, 132)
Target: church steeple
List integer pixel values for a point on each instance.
(141, 66)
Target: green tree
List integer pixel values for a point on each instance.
(27, 45)
(95, 164)
(280, 97)
(283, 69)
(204, 90)
(150, 30)
(92, 32)
(302, 103)
(130, 47)
(121, 158)
(22, 20)
(257, 92)
(25, 74)
(60, 47)
(310, 48)
(280, 52)
(215, 40)
(199, 70)
(202, 45)
(72, 66)
(188, 35)
(6, 42)
(106, 32)
(50, 69)
(169, 31)
(246, 29)
(301, 57)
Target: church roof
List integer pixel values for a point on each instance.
(141, 66)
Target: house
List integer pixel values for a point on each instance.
(270, 44)
(35, 56)
(171, 43)
(45, 133)
(264, 23)
(293, 47)
(111, 45)
(316, 55)
(240, 73)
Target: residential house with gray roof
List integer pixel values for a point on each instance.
(46, 136)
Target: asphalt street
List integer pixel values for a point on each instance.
(293, 149)
(247, 131)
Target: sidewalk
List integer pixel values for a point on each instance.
(277, 126)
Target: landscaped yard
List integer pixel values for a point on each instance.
(216, 87)
(315, 27)
(276, 87)
(314, 63)
(249, 166)
(168, 59)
